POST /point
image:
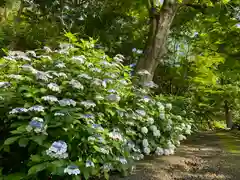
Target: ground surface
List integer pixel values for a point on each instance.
(204, 156)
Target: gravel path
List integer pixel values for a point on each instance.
(205, 156)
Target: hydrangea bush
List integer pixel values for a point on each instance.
(74, 113)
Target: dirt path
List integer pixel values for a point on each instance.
(206, 156)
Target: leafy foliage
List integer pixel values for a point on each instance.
(75, 111)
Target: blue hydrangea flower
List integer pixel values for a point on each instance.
(98, 127)
(72, 170)
(50, 98)
(85, 76)
(58, 150)
(18, 110)
(88, 104)
(37, 108)
(54, 87)
(67, 102)
(89, 163)
(141, 112)
(43, 76)
(114, 97)
(107, 167)
(122, 160)
(76, 84)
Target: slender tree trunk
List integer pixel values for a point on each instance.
(228, 115)
(158, 33)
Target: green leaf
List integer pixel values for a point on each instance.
(39, 139)
(19, 130)
(36, 158)
(86, 174)
(37, 168)
(23, 142)
(16, 176)
(106, 175)
(11, 140)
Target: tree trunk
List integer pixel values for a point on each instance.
(158, 33)
(228, 115)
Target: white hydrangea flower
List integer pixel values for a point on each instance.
(85, 76)
(95, 70)
(97, 82)
(67, 102)
(107, 167)
(27, 67)
(4, 84)
(88, 104)
(59, 114)
(150, 120)
(61, 65)
(119, 58)
(72, 170)
(160, 106)
(159, 151)
(116, 136)
(42, 76)
(168, 106)
(76, 84)
(162, 116)
(89, 164)
(179, 118)
(156, 133)
(31, 53)
(80, 59)
(181, 137)
(145, 143)
(144, 130)
(141, 112)
(139, 51)
(122, 160)
(50, 98)
(54, 87)
(143, 72)
(146, 150)
(104, 150)
(47, 49)
(10, 58)
(114, 97)
(61, 74)
(15, 76)
(169, 120)
(153, 128)
(58, 150)
(166, 152)
(66, 45)
(150, 84)
(37, 108)
(18, 110)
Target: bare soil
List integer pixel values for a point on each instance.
(204, 156)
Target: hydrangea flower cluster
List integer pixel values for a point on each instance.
(87, 99)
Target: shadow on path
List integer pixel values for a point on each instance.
(205, 156)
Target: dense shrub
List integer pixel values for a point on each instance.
(74, 112)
